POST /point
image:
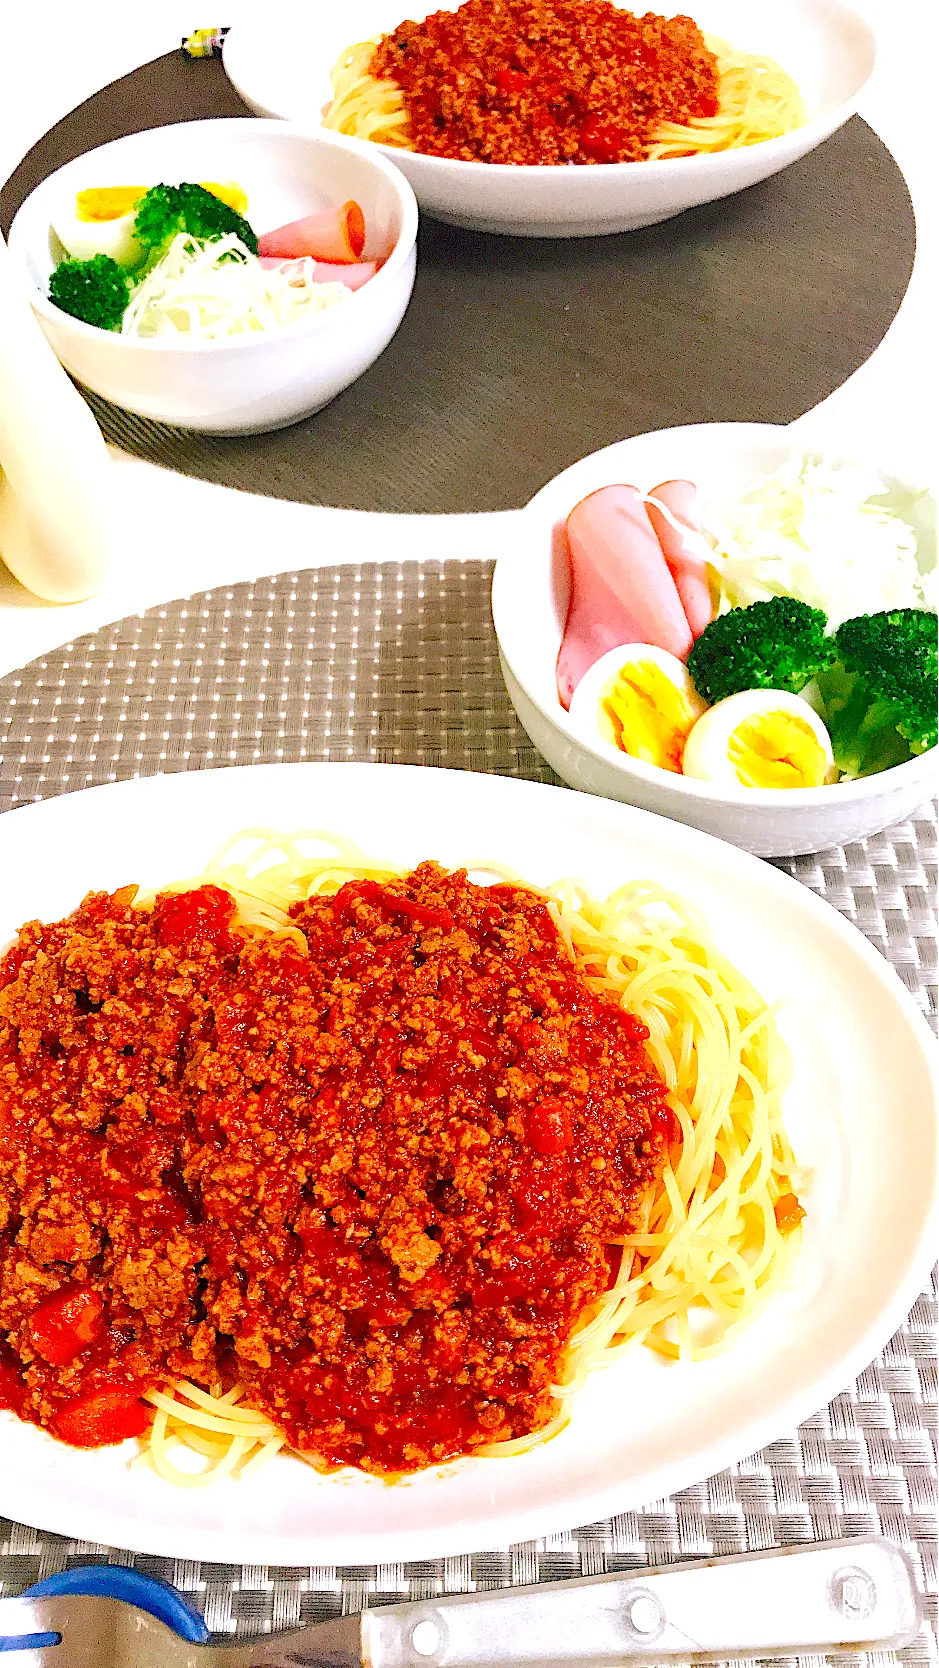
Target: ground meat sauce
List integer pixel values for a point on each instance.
(546, 81)
(374, 1182)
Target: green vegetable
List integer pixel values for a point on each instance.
(879, 701)
(95, 291)
(167, 210)
(779, 644)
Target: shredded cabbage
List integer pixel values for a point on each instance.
(209, 289)
(813, 530)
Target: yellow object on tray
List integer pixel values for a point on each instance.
(203, 43)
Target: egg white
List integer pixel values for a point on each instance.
(83, 239)
(707, 750)
(585, 701)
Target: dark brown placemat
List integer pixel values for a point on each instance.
(518, 356)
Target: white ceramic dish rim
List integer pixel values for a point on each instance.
(288, 332)
(604, 818)
(532, 172)
(765, 798)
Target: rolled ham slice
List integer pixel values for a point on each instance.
(331, 272)
(686, 566)
(332, 235)
(621, 589)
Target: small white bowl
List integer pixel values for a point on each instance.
(826, 47)
(529, 604)
(245, 384)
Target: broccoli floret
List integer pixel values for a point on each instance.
(880, 698)
(779, 644)
(96, 291)
(166, 210)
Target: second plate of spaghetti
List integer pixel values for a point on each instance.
(549, 118)
(509, 1156)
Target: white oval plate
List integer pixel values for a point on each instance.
(824, 45)
(861, 1113)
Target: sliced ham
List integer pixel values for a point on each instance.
(621, 589)
(686, 566)
(353, 276)
(332, 235)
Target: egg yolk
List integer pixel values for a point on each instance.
(111, 202)
(777, 750)
(107, 202)
(644, 715)
(227, 191)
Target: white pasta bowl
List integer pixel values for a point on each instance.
(529, 604)
(247, 383)
(826, 47)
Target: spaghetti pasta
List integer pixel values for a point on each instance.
(210, 1427)
(722, 1227)
(363, 106)
(756, 101)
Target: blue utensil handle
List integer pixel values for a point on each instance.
(158, 1598)
(28, 1641)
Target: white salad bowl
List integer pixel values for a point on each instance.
(247, 383)
(826, 47)
(529, 605)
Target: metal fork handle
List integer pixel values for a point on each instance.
(849, 1595)
(852, 1595)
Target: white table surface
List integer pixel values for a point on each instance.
(886, 410)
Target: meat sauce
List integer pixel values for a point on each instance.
(546, 81)
(374, 1180)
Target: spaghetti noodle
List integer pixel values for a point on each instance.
(723, 1223)
(363, 106)
(757, 101)
(581, 108)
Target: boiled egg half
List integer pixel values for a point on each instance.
(100, 221)
(638, 700)
(761, 738)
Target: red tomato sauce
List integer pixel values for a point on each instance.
(546, 81)
(375, 1181)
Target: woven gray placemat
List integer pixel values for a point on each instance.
(398, 663)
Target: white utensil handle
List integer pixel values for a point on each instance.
(850, 1595)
